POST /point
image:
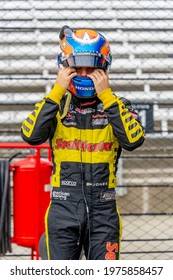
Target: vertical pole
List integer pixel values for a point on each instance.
(37, 185)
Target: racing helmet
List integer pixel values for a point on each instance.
(83, 48)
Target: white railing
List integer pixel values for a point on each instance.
(64, 13)
(125, 4)
(37, 49)
(163, 97)
(88, 23)
(10, 116)
(119, 64)
(51, 36)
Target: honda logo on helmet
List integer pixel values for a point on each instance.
(84, 88)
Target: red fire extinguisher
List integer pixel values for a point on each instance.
(31, 184)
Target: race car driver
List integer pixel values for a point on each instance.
(87, 126)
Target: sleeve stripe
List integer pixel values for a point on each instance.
(26, 128)
(29, 120)
(29, 123)
(136, 133)
(132, 126)
(128, 119)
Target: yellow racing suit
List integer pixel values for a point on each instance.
(86, 143)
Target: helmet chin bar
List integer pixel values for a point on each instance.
(82, 87)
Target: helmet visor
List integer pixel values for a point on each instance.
(85, 60)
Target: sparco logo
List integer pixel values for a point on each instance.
(84, 146)
(68, 183)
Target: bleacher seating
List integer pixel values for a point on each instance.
(140, 34)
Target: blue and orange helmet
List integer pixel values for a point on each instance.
(83, 48)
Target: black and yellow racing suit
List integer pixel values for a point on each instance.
(86, 144)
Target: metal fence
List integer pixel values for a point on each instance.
(140, 34)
